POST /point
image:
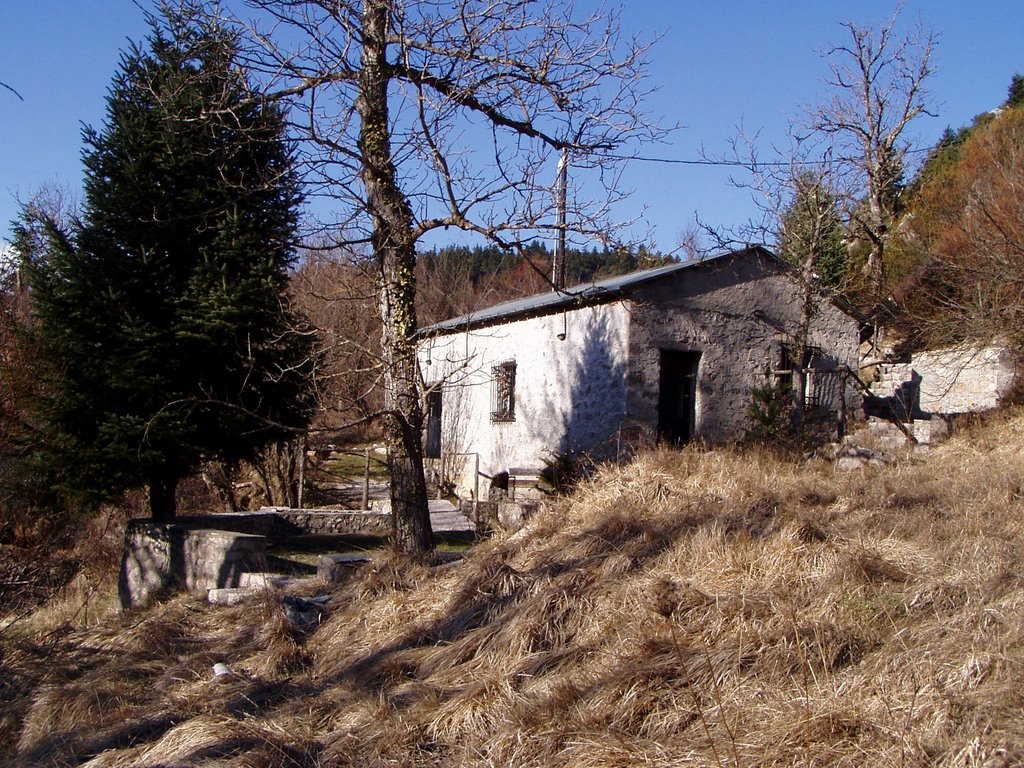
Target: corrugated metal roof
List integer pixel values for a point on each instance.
(608, 289)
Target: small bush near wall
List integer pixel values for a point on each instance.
(771, 415)
(563, 471)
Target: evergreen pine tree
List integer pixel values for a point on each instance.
(811, 233)
(165, 303)
(1015, 93)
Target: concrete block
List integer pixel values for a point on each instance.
(513, 515)
(331, 568)
(264, 581)
(230, 595)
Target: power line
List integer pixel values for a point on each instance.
(676, 161)
(740, 163)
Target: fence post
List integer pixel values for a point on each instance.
(476, 488)
(366, 481)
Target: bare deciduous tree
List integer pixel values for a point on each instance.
(416, 115)
(802, 197)
(877, 90)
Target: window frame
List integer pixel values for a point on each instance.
(503, 392)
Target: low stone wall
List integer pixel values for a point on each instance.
(330, 522)
(202, 552)
(950, 381)
(277, 523)
(162, 556)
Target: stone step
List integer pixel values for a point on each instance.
(231, 595)
(256, 586)
(264, 580)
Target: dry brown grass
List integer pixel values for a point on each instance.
(695, 608)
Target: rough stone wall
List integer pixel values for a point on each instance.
(281, 522)
(954, 380)
(569, 391)
(736, 313)
(337, 523)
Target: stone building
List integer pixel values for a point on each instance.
(670, 354)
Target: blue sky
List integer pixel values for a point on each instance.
(716, 65)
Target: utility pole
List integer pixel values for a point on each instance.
(558, 265)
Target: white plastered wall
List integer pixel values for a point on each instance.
(570, 389)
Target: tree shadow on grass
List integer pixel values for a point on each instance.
(490, 598)
(73, 746)
(530, 614)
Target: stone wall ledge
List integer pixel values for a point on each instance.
(282, 522)
(202, 552)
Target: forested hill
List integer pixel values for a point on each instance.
(456, 279)
(958, 256)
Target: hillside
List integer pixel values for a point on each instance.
(694, 608)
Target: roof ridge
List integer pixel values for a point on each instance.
(594, 291)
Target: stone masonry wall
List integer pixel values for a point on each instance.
(950, 381)
(280, 522)
(736, 314)
(204, 552)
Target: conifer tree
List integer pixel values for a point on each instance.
(165, 302)
(811, 234)
(1015, 93)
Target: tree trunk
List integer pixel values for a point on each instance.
(394, 250)
(162, 502)
(804, 329)
(880, 185)
(874, 268)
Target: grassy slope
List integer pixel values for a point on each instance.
(690, 609)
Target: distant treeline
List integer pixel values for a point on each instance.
(487, 262)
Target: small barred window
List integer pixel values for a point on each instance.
(503, 391)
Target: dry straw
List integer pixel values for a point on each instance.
(694, 608)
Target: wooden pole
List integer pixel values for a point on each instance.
(558, 265)
(476, 488)
(366, 481)
(843, 381)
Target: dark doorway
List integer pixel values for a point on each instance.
(677, 398)
(434, 424)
